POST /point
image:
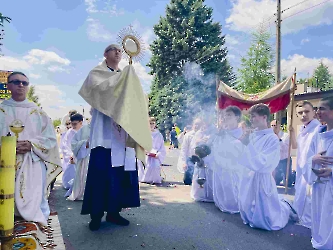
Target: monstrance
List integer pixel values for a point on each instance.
(132, 44)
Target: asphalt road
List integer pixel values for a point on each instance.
(169, 219)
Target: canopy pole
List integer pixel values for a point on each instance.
(292, 100)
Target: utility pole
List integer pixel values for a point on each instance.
(278, 115)
(278, 43)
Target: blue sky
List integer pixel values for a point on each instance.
(57, 42)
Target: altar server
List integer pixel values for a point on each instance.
(226, 151)
(155, 158)
(259, 203)
(322, 193)
(303, 186)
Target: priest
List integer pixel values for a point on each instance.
(259, 203)
(303, 186)
(119, 137)
(38, 161)
(322, 194)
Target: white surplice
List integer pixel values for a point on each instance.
(68, 168)
(152, 172)
(302, 201)
(204, 193)
(81, 154)
(108, 134)
(322, 197)
(185, 151)
(36, 169)
(226, 151)
(259, 203)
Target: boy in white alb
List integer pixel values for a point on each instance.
(322, 193)
(259, 203)
(227, 173)
(303, 186)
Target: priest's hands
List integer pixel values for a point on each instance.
(23, 147)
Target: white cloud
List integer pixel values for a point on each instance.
(109, 7)
(11, 63)
(37, 56)
(42, 59)
(50, 97)
(91, 8)
(230, 40)
(304, 65)
(246, 15)
(56, 68)
(306, 40)
(35, 76)
(96, 31)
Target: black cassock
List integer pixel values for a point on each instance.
(108, 189)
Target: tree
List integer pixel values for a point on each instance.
(3, 19)
(255, 72)
(322, 76)
(31, 96)
(187, 35)
(56, 122)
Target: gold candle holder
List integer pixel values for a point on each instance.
(7, 185)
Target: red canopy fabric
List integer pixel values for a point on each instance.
(277, 97)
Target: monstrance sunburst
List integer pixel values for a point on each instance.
(132, 44)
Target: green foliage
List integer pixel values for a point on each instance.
(56, 122)
(186, 34)
(3, 19)
(254, 74)
(322, 77)
(31, 96)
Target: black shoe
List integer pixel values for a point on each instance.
(117, 219)
(94, 225)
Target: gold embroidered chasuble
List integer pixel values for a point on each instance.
(31, 183)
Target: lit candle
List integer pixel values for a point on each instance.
(7, 184)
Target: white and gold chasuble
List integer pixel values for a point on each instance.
(35, 170)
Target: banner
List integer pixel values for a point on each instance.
(277, 97)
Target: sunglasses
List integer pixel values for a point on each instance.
(18, 82)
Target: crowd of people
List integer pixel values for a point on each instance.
(245, 164)
(104, 159)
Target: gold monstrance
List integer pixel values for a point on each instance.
(132, 44)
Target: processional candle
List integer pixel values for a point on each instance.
(7, 185)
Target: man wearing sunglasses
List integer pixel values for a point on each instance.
(36, 148)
